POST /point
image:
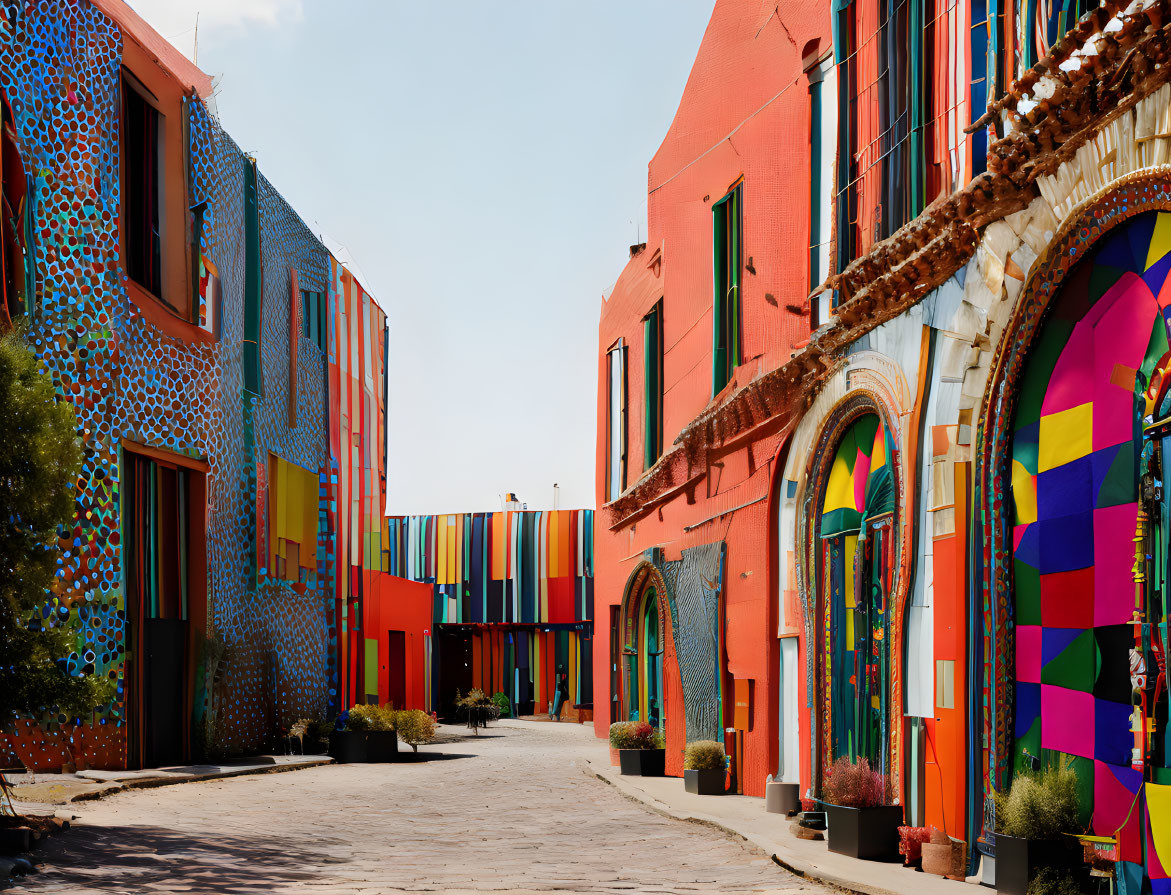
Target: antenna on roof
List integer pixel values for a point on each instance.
(196, 59)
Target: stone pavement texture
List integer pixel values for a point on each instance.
(511, 811)
(745, 816)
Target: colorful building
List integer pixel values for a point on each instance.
(196, 324)
(511, 605)
(885, 479)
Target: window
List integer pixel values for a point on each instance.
(313, 317)
(726, 302)
(652, 328)
(616, 421)
(295, 324)
(210, 299)
(17, 267)
(847, 195)
(822, 126)
(292, 522)
(253, 284)
(142, 183)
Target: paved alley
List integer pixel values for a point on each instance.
(509, 811)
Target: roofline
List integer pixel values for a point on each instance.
(178, 66)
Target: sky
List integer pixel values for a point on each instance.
(484, 163)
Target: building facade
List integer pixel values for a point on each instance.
(192, 318)
(921, 518)
(512, 596)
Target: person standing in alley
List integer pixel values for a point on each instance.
(562, 692)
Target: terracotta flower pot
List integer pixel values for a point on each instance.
(614, 760)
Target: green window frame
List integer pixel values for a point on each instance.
(727, 248)
(253, 281)
(313, 317)
(652, 329)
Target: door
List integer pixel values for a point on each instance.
(455, 669)
(396, 668)
(156, 522)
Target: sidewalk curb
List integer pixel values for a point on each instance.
(110, 789)
(795, 866)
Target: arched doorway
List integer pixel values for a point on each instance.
(643, 636)
(1088, 537)
(853, 539)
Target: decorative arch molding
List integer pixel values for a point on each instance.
(867, 382)
(1114, 205)
(645, 574)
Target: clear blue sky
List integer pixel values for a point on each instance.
(485, 164)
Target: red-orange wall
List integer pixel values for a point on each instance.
(399, 604)
(744, 113)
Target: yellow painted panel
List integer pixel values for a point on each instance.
(1159, 806)
(1160, 239)
(1065, 436)
(1024, 494)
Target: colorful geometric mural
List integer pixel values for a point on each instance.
(520, 582)
(1085, 607)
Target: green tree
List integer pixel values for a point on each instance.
(39, 466)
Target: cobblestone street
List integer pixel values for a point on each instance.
(509, 811)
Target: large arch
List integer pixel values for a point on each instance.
(868, 381)
(644, 630)
(1049, 658)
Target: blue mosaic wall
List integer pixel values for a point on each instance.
(60, 70)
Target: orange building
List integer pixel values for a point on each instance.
(883, 479)
(714, 298)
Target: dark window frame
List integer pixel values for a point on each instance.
(653, 384)
(728, 263)
(143, 186)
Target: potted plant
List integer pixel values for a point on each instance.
(644, 754)
(911, 842)
(347, 742)
(861, 823)
(945, 856)
(704, 767)
(503, 704)
(381, 739)
(477, 708)
(1032, 821)
(414, 727)
(619, 739)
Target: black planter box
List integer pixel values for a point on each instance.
(348, 746)
(871, 833)
(381, 746)
(643, 762)
(704, 783)
(1019, 860)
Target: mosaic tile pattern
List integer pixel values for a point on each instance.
(60, 65)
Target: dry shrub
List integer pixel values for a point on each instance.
(704, 755)
(854, 785)
(414, 727)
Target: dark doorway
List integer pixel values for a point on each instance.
(157, 518)
(455, 669)
(396, 668)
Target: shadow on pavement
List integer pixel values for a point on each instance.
(139, 859)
